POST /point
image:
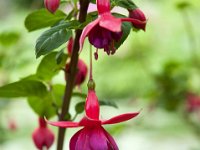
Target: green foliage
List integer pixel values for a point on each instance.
(9, 38)
(171, 85)
(42, 18)
(127, 4)
(23, 88)
(49, 67)
(57, 92)
(54, 37)
(43, 106)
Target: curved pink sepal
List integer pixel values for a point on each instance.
(64, 124)
(86, 30)
(103, 6)
(136, 22)
(108, 21)
(120, 118)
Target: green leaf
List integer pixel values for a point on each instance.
(108, 103)
(42, 106)
(79, 108)
(127, 4)
(23, 88)
(58, 93)
(183, 5)
(126, 29)
(42, 18)
(48, 67)
(60, 57)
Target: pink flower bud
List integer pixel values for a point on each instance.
(42, 136)
(52, 5)
(81, 72)
(12, 125)
(70, 46)
(139, 15)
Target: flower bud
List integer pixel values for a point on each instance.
(52, 5)
(81, 72)
(42, 136)
(70, 46)
(139, 15)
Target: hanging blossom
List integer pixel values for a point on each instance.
(52, 5)
(93, 136)
(42, 136)
(82, 69)
(193, 102)
(106, 29)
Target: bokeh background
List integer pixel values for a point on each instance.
(156, 72)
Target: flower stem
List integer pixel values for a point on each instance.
(90, 62)
(71, 75)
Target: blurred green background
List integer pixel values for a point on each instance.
(153, 71)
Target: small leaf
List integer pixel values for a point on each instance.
(60, 57)
(23, 88)
(9, 38)
(48, 67)
(127, 4)
(183, 5)
(80, 107)
(42, 106)
(42, 18)
(108, 103)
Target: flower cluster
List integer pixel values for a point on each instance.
(93, 136)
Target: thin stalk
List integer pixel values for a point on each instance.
(90, 62)
(71, 75)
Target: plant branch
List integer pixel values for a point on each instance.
(71, 74)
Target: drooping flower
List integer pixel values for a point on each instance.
(106, 29)
(139, 15)
(93, 136)
(52, 5)
(193, 102)
(42, 136)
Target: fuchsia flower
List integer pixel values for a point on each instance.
(70, 46)
(42, 136)
(52, 5)
(93, 136)
(106, 29)
(138, 14)
(193, 102)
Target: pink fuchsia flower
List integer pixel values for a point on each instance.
(106, 29)
(52, 5)
(12, 125)
(193, 102)
(93, 136)
(42, 136)
(139, 15)
(81, 74)
(70, 46)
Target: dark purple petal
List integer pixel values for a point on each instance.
(74, 139)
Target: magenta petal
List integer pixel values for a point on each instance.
(103, 6)
(64, 124)
(98, 140)
(108, 21)
(137, 23)
(120, 118)
(112, 142)
(86, 31)
(83, 140)
(74, 139)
